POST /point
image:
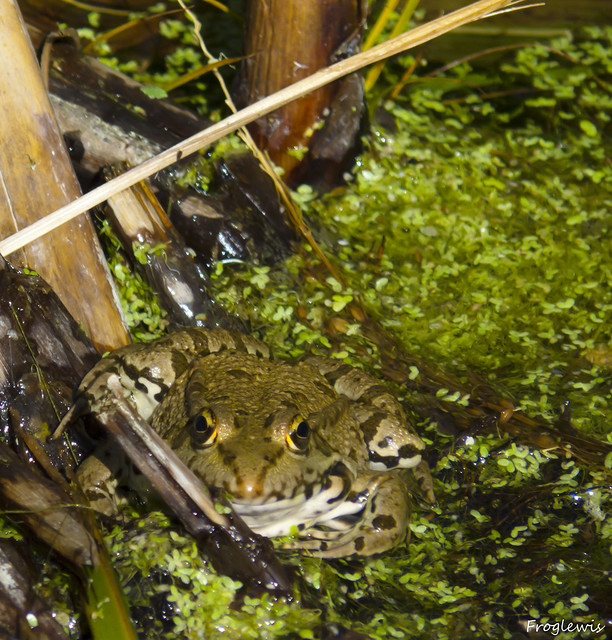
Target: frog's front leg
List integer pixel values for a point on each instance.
(391, 440)
(380, 526)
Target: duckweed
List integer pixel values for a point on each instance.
(474, 230)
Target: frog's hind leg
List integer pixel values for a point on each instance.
(379, 526)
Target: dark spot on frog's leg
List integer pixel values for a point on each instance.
(409, 451)
(137, 375)
(140, 386)
(129, 369)
(359, 543)
(370, 426)
(390, 462)
(339, 469)
(384, 523)
(359, 497)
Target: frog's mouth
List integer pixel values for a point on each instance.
(278, 516)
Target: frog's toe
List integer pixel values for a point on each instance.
(422, 474)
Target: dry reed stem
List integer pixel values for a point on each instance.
(401, 43)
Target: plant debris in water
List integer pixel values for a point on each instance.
(474, 229)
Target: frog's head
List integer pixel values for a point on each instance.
(256, 434)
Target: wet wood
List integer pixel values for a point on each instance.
(94, 107)
(45, 509)
(37, 177)
(157, 250)
(43, 356)
(253, 226)
(285, 42)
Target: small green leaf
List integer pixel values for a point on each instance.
(153, 92)
(589, 128)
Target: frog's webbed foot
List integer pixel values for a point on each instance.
(99, 477)
(379, 526)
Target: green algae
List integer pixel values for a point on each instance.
(141, 308)
(474, 230)
(177, 593)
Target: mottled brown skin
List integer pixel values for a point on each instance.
(315, 448)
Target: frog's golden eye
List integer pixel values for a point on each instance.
(204, 429)
(298, 435)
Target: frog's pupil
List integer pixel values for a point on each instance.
(201, 424)
(302, 430)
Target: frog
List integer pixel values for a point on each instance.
(315, 449)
